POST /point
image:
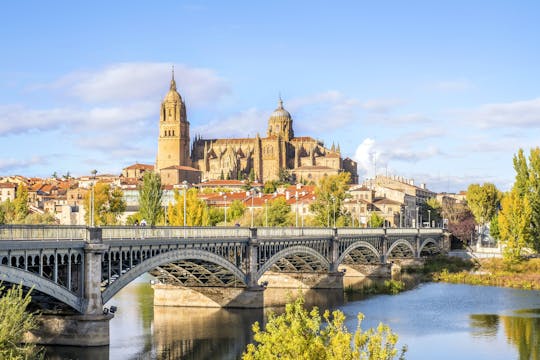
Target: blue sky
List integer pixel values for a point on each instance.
(444, 92)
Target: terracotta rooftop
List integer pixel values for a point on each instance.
(140, 166)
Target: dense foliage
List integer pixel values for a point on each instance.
(483, 200)
(14, 323)
(330, 193)
(109, 204)
(196, 209)
(299, 334)
(150, 197)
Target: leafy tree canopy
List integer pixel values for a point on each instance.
(483, 200)
(299, 334)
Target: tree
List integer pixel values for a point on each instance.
(299, 334)
(196, 209)
(461, 222)
(7, 212)
(21, 203)
(483, 200)
(329, 195)
(432, 209)
(375, 220)
(109, 204)
(236, 210)
(150, 198)
(270, 187)
(514, 224)
(15, 321)
(278, 212)
(215, 215)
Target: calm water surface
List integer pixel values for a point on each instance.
(436, 321)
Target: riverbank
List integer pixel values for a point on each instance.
(487, 272)
(490, 272)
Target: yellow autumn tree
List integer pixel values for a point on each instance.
(514, 224)
(301, 335)
(196, 210)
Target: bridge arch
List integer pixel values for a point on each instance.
(165, 258)
(293, 250)
(355, 246)
(398, 243)
(46, 286)
(427, 242)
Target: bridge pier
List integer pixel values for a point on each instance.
(91, 328)
(208, 297)
(71, 330)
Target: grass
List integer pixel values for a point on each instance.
(494, 272)
(488, 272)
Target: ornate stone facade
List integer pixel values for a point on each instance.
(264, 158)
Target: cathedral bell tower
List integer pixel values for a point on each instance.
(173, 139)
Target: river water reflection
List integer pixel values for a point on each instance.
(436, 321)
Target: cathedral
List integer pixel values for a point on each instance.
(260, 158)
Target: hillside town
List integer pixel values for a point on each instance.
(395, 199)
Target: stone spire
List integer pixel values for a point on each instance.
(173, 83)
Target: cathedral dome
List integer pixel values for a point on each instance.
(280, 113)
(173, 95)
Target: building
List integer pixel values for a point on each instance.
(259, 158)
(8, 191)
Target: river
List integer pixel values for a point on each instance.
(435, 320)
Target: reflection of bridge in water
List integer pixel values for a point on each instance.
(78, 269)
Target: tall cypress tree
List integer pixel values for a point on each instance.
(150, 196)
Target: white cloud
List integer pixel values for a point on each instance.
(142, 81)
(11, 164)
(515, 114)
(371, 155)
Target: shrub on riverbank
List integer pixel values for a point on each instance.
(390, 287)
(14, 323)
(496, 272)
(299, 334)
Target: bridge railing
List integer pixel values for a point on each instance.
(169, 232)
(360, 231)
(293, 232)
(42, 232)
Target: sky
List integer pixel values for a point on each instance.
(442, 92)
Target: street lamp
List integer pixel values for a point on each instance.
(429, 217)
(417, 224)
(334, 208)
(252, 196)
(92, 205)
(266, 210)
(225, 199)
(296, 207)
(185, 186)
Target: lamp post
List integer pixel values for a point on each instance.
(417, 225)
(334, 209)
(302, 213)
(266, 211)
(92, 205)
(429, 217)
(296, 207)
(225, 199)
(185, 186)
(252, 196)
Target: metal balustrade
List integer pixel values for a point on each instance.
(293, 232)
(170, 232)
(42, 232)
(61, 232)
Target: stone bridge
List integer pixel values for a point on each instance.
(76, 269)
